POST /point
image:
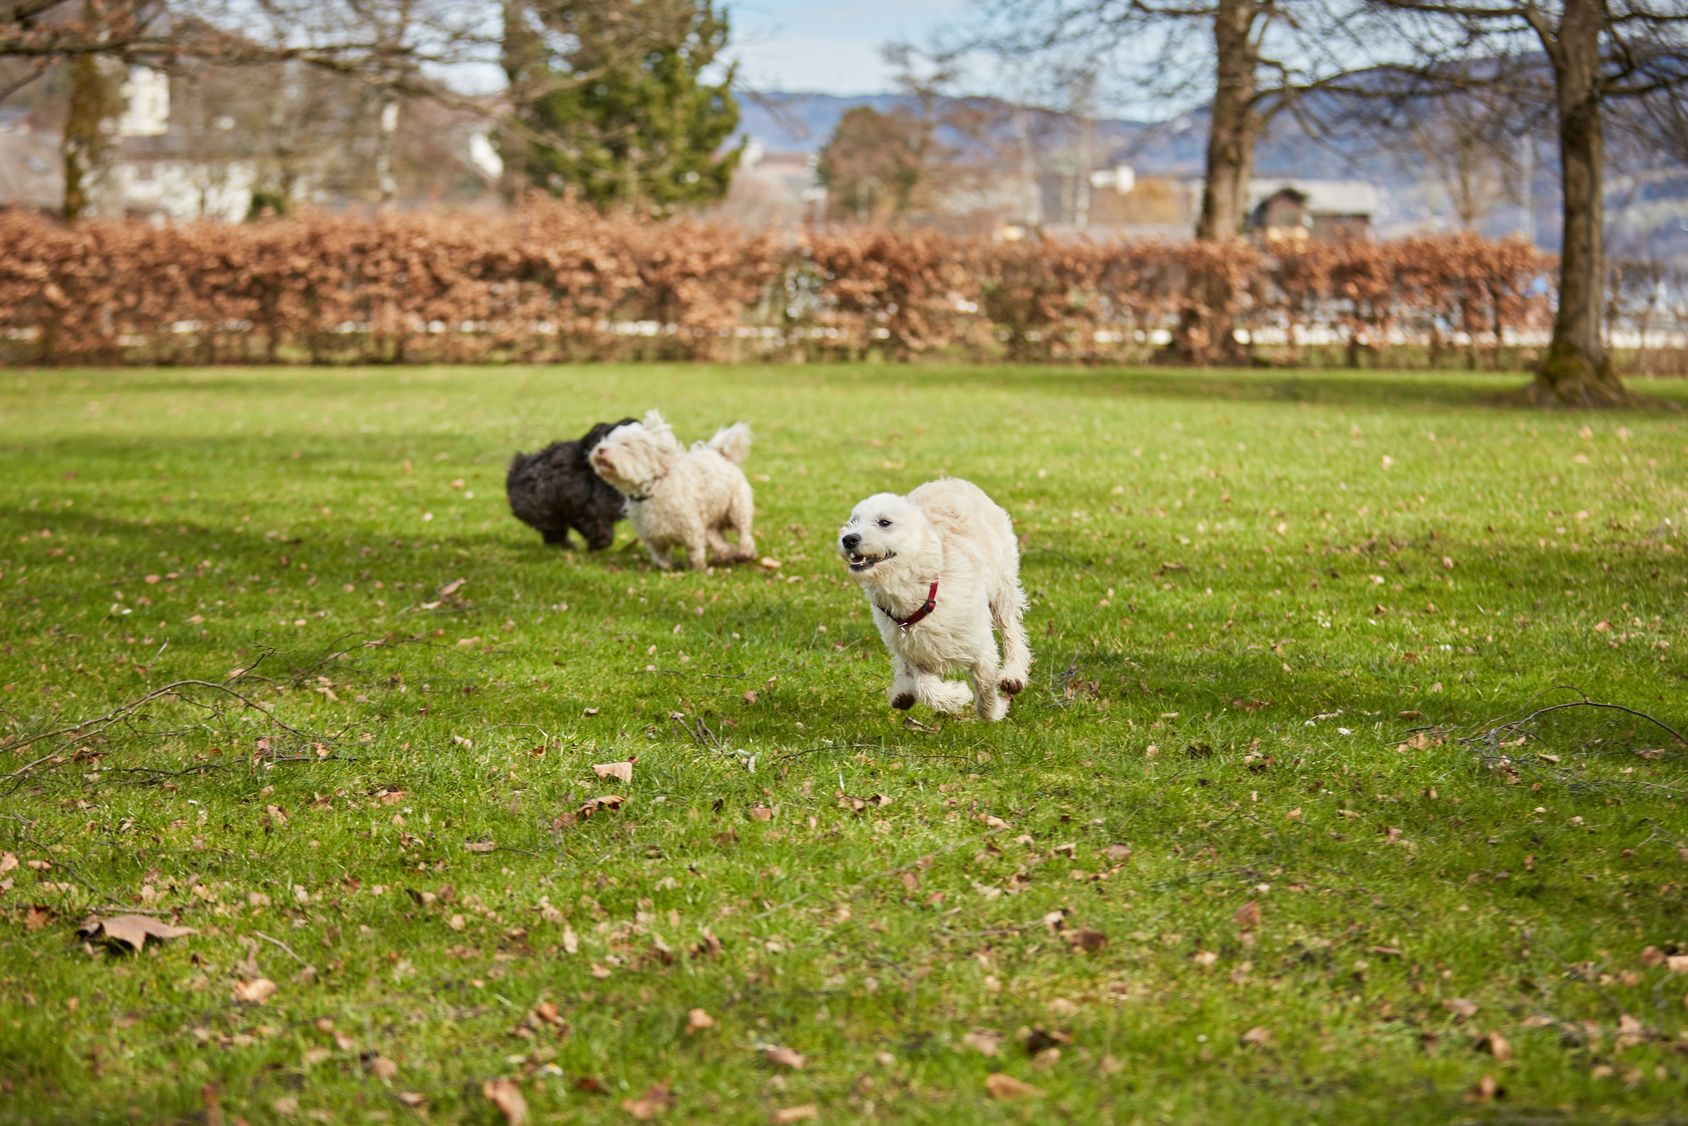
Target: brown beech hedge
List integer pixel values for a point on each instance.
(555, 281)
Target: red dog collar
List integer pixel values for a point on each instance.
(925, 608)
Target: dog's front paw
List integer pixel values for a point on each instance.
(1011, 686)
(903, 701)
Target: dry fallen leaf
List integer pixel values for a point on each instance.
(1247, 916)
(761, 813)
(784, 1057)
(130, 930)
(506, 1095)
(1460, 1007)
(480, 846)
(803, 1113)
(1086, 940)
(620, 771)
(697, 1020)
(381, 1067)
(1003, 1086)
(254, 992)
(1258, 1037)
(605, 801)
(652, 1103)
(985, 1041)
(1497, 1046)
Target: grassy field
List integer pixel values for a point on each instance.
(1255, 846)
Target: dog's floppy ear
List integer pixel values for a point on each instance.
(659, 428)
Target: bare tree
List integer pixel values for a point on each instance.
(388, 44)
(1597, 52)
(1246, 60)
(1461, 152)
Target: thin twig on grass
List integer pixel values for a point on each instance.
(284, 946)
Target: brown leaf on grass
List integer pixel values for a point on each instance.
(1486, 1090)
(129, 930)
(802, 1113)
(1006, 1087)
(708, 946)
(1040, 1040)
(1460, 1007)
(603, 801)
(620, 771)
(1086, 940)
(697, 1020)
(1258, 1037)
(1497, 1046)
(254, 992)
(650, 1104)
(1248, 916)
(761, 813)
(784, 1057)
(750, 696)
(547, 1013)
(412, 1099)
(506, 1095)
(985, 1041)
(7, 862)
(480, 846)
(1118, 853)
(381, 1067)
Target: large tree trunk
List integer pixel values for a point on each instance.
(1577, 370)
(521, 56)
(87, 142)
(1206, 327)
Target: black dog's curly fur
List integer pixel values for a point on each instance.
(555, 490)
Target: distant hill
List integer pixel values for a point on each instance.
(1647, 197)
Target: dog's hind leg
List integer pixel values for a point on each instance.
(941, 695)
(720, 548)
(739, 516)
(1008, 607)
(985, 674)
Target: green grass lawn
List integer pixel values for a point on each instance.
(1251, 848)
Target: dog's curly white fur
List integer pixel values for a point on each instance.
(949, 531)
(678, 497)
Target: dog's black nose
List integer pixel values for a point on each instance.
(850, 541)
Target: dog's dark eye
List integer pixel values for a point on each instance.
(885, 523)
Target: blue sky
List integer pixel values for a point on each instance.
(828, 46)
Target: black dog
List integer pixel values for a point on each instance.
(555, 490)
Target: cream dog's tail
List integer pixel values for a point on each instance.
(733, 443)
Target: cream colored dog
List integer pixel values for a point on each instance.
(678, 497)
(941, 567)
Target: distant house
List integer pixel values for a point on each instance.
(1282, 210)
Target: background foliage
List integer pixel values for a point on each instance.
(559, 281)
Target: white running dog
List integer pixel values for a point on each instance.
(941, 566)
(678, 497)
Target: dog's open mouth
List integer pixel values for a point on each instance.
(859, 562)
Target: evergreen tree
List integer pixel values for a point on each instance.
(624, 115)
